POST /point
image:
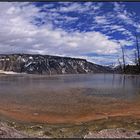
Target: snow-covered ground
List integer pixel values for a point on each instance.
(8, 72)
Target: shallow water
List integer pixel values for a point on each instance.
(69, 98)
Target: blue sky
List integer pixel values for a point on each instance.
(89, 30)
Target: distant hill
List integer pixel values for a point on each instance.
(47, 64)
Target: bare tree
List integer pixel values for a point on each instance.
(120, 64)
(138, 51)
(135, 58)
(123, 58)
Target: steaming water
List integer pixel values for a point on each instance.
(66, 93)
(120, 86)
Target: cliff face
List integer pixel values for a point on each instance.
(45, 64)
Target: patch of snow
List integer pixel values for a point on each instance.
(31, 58)
(23, 60)
(28, 64)
(31, 69)
(86, 70)
(63, 70)
(62, 63)
(11, 72)
(3, 59)
(8, 72)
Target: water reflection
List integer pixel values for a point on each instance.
(114, 85)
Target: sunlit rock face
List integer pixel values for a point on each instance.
(46, 64)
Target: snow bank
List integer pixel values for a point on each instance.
(8, 72)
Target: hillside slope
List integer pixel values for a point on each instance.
(47, 64)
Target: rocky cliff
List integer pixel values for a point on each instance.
(46, 64)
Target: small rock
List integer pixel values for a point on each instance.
(123, 130)
(36, 127)
(135, 123)
(63, 129)
(1, 132)
(47, 133)
(13, 123)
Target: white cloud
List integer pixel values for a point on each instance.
(20, 34)
(100, 19)
(124, 15)
(79, 7)
(125, 42)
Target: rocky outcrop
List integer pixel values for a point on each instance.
(46, 64)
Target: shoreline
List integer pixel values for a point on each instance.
(115, 127)
(68, 74)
